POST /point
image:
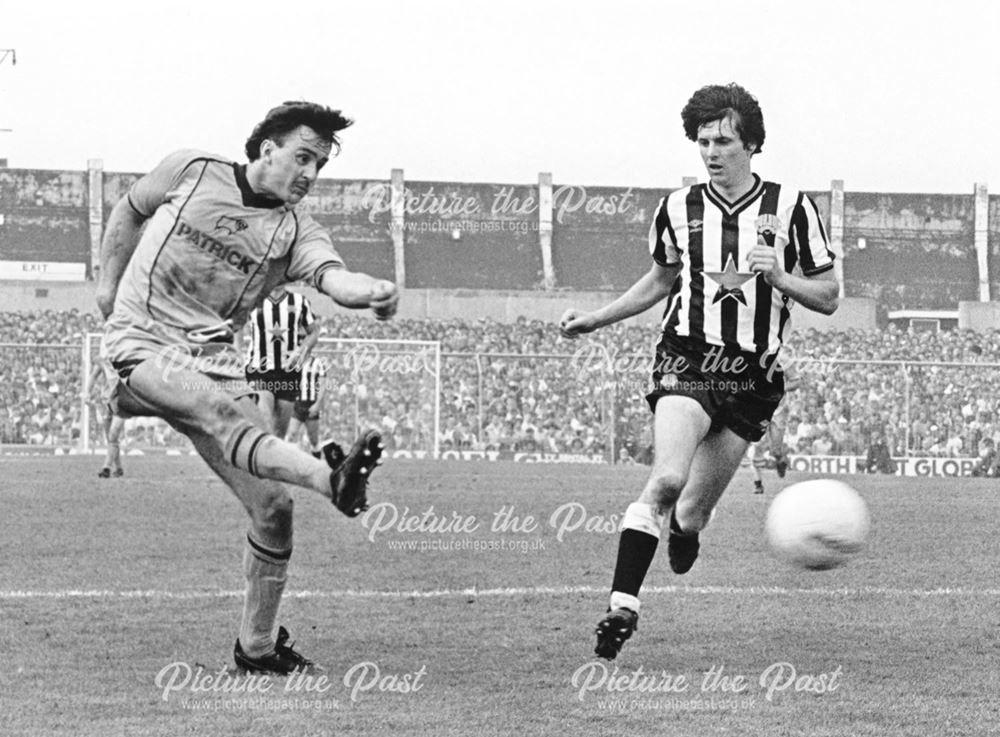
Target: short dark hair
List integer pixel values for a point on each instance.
(717, 101)
(282, 120)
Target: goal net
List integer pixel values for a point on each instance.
(141, 434)
(393, 386)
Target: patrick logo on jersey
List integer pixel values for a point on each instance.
(214, 247)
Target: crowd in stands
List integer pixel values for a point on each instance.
(915, 409)
(40, 379)
(520, 387)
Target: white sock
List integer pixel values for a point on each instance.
(624, 601)
(266, 571)
(644, 518)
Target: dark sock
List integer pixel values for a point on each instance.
(635, 554)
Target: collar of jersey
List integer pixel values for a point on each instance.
(732, 208)
(251, 198)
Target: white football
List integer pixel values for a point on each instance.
(817, 524)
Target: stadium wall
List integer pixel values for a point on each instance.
(979, 316)
(905, 251)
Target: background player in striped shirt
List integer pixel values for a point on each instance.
(218, 237)
(283, 333)
(733, 256)
(305, 412)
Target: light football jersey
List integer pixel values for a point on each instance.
(212, 248)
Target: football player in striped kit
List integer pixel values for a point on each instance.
(732, 257)
(191, 249)
(283, 333)
(305, 411)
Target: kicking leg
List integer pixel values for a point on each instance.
(193, 404)
(680, 425)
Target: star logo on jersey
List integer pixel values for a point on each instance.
(730, 280)
(274, 334)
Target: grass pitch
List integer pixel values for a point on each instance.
(465, 605)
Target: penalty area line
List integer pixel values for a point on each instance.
(835, 592)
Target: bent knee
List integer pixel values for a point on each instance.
(215, 414)
(272, 513)
(665, 486)
(693, 516)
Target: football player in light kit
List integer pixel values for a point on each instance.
(100, 385)
(220, 236)
(732, 256)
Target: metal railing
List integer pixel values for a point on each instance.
(591, 398)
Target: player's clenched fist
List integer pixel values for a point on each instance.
(766, 260)
(383, 299)
(574, 323)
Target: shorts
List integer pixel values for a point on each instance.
(283, 385)
(131, 341)
(738, 395)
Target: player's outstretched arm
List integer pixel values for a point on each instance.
(651, 287)
(357, 291)
(120, 239)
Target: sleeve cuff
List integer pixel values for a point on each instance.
(136, 210)
(322, 269)
(664, 263)
(818, 269)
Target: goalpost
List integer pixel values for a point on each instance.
(88, 421)
(390, 385)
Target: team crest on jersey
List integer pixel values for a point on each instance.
(768, 225)
(230, 225)
(669, 382)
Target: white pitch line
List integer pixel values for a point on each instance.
(503, 592)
